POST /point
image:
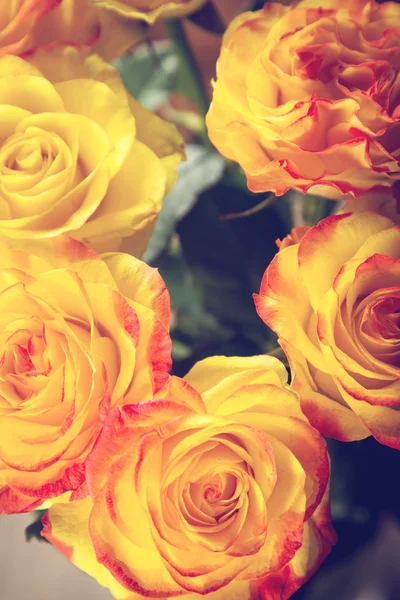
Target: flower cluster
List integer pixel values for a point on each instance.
(214, 484)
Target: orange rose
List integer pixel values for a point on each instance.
(223, 493)
(150, 10)
(309, 96)
(27, 24)
(78, 335)
(334, 301)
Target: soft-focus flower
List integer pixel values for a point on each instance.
(150, 10)
(28, 24)
(17, 19)
(77, 154)
(220, 490)
(78, 335)
(309, 96)
(82, 22)
(334, 301)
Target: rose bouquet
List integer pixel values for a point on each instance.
(200, 289)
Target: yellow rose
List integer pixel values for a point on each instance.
(78, 335)
(150, 10)
(218, 490)
(334, 301)
(27, 24)
(81, 22)
(309, 95)
(78, 155)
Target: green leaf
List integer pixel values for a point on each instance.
(202, 170)
(220, 262)
(189, 78)
(212, 267)
(180, 350)
(195, 332)
(254, 235)
(149, 73)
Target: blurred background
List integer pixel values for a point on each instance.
(212, 243)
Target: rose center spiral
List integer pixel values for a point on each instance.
(383, 318)
(25, 155)
(24, 362)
